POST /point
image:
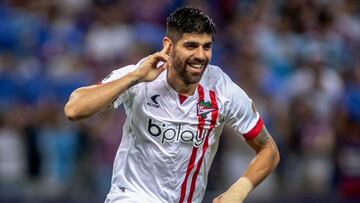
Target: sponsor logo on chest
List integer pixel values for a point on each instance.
(176, 132)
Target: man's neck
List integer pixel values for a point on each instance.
(180, 86)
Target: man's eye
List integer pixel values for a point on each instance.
(207, 47)
(190, 46)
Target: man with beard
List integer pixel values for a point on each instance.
(176, 105)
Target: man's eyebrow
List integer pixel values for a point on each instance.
(197, 43)
(191, 43)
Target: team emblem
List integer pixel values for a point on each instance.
(203, 108)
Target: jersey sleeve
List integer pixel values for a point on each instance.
(241, 114)
(116, 74)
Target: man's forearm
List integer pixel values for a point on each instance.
(264, 162)
(266, 159)
(87, 101)
(259, 168)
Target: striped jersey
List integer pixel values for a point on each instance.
(168, 145)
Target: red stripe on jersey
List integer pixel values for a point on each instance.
(255, 130)
(188, 170)
(214, 116)
(201, 123)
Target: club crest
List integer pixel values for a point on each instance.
(203, 108)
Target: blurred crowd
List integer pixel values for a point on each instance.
(297, 59)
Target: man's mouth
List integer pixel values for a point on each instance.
(196, 67)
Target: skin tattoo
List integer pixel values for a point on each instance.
(263, 137)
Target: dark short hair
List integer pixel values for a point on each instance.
(189, 20)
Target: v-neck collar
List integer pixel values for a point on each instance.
(182, 98)
(175, 94)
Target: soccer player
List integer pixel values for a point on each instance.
(176, 105)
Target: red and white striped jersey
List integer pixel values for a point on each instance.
(168, 146)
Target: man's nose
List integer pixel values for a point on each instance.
(200, 53)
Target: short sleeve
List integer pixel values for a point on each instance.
(240, 112)
(116, 74)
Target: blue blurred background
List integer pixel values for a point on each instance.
(297, 59)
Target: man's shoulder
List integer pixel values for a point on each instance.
(217, 80)
(214, 69)
(130, 67)
(214, 77)
(123, 70)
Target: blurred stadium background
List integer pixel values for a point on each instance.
(298, 59)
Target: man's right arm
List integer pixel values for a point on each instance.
(87, 101)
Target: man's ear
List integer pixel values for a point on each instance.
(167, 40)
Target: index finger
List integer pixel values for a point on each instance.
(166, 48)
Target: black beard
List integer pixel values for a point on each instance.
(180, 67)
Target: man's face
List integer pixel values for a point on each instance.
(190, 56)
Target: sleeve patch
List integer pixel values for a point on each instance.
(255, 130)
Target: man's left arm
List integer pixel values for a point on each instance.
(266, 159)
